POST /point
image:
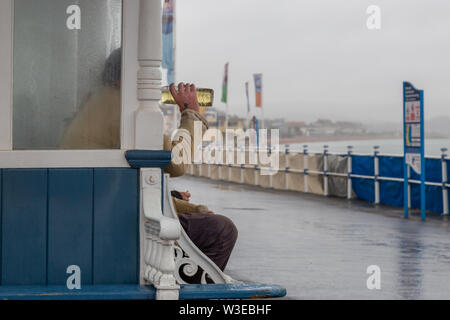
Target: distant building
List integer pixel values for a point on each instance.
(326, 128)
(293, 129)
(216, 119)
(322, 128)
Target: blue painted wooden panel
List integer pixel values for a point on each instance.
(70, 196)
(88, 292)
(24, 227)
(1, 224)
(116, 226)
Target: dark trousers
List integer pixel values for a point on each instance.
(215, 235)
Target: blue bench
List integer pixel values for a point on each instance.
(136, 292)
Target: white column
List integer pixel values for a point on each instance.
(149, 118)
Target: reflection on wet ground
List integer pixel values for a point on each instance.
(320, 248)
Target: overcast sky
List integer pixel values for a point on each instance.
(318, 57)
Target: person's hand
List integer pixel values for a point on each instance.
(185, 97)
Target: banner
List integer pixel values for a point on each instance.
(248, 99)
(167, 39)
(258, 89)
(225, 84)
(413, 137)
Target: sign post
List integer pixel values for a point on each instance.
(413, 144)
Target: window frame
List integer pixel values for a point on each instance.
(10, 158)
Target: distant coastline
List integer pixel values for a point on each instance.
(296, 140)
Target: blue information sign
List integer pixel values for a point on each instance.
(413, 144)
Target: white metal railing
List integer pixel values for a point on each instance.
(225, 172)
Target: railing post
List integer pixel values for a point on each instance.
(444, 181)
(200, 165)
(349, 172)
(325, 170)
(209, 162)
(376, 163)
(286, 153)
(230, 164)
(256, 175)
(242, 166)
(305, 167)
(219, 165)
(209, 169)
(270, 169)
(409, 186)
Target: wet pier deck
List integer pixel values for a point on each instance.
(320, 248)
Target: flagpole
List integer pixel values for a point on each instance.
(262, 117)
(226, 115)
(262, 108)
(248, 119)
(247, 84)
(225, 94)
(259, 96)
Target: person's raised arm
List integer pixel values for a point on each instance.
(186, 99)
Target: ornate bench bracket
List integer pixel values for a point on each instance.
(160, 234)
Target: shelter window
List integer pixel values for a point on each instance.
(67, 74)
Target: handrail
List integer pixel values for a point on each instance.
(325, 173)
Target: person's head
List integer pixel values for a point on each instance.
(181, 195)
(113, 69)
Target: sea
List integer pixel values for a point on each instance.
(386, 146)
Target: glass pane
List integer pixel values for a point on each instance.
(67, 62)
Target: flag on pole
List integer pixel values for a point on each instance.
(167, 39)
(225, 85)
(248, 99)
(258, 89)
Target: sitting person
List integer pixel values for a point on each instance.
(215, 235)
(97, 126)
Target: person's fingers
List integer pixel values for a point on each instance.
(173, 91)
(193, 88)
(187, 88)
(181, 88)
(176, 96)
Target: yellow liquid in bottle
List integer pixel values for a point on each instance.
(205, 97)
